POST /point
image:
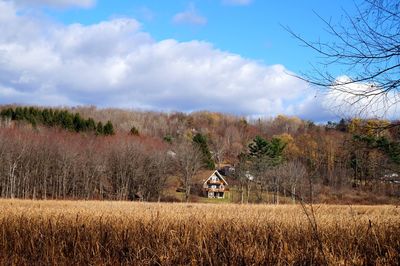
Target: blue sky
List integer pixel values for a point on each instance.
(252, 29)
(230, 56)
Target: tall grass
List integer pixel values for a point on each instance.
(110, 233)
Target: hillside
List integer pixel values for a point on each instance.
(59, 153)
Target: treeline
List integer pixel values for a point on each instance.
(57, 118)
(61, 165)
(374, 134)
(286, 157)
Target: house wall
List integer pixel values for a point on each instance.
(214, 187)
(213, 195)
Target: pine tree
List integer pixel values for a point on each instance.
(201, 141)
(99, 129)
(79, 123)
(67, 120)
(259, 147)
(46, 117)
(134, 131)
(90, 124)
(9, 112)
(18, 114)
(168, 138)
(108, 128)
(50, 118)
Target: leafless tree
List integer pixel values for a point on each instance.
(291, 174)
(155, 173)
(242, 174)
(188, 161)
(271, 179)
(366, 47)
(219, 148)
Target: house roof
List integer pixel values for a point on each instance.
(217, 174)
(202, 175)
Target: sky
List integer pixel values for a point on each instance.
(230, 56)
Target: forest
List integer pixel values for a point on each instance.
(116, 154)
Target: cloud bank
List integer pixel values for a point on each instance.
(114, 63)
(365, 100)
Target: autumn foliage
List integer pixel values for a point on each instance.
(352, 161)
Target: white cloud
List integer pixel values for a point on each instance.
(237, 2)
(189, 16)
(57, 3)
(114, 63)
(365, 100)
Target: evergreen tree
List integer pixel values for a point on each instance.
(108, 128)
(67, 120)
(25, 113)
(18, 114)
(90, 124)
(390, 148)
(7, 113)
(79, 123)
(51, 120)
(168, 138)
(276, 148)
(342, 126)
(50, 117)
(134, 131)
(261, 149)
(201, 141)
(99, 129)
(47, 118)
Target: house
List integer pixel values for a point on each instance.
(215, 186)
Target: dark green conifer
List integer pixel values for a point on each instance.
(201, 141)
(99, 129)
(108, 129)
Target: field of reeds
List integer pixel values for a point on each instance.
(127, 233)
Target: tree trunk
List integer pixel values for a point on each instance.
(277, 195)
(294, 194)
(248, 193)
(13, 180)
(241, 193)
(187, 193)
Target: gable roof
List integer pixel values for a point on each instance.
(218, 175)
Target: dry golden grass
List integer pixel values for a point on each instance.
(110, 233)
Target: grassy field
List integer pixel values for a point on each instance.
(110, 233)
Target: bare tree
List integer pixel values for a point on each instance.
(188, 161)
(366, 47)
(219, 147)
(157, 169)
(243, 175)
(271, 179)
(292, 173)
